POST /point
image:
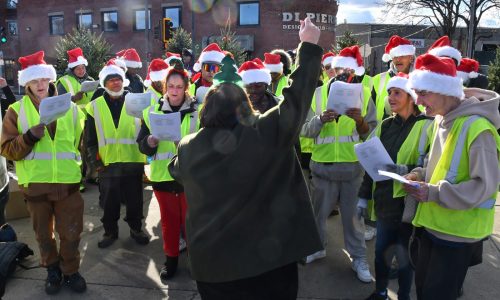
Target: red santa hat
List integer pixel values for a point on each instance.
(76, 58)
(157, 71)
(468, 68)
(131, 58)
(254, 72)
(170, 56)
(120, 63)
(195, 77)
(327, 58)
(436, 74)
(34, 67)
(273, 62)
(211, 54)
(396, 47)
(401, 81)
(349, 58)
(442, 47)
(112, 69)
(121, 52)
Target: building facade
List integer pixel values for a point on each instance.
(422, 37)
(260, 26)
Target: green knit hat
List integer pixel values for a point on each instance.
(228, 73)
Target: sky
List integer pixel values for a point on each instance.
(370, 11)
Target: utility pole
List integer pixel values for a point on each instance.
(470, 35)
(146, 30)
(192, 26)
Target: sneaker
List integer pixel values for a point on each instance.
(378, 296)
(168, 271)
(76, 282)
(370, 233)
(139, 236)
(360, 266)
(107, 240)
(182, 245)
(53, 281)
(318, 255)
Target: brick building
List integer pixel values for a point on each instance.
(260, 26)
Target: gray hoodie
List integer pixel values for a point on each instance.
(483, 158)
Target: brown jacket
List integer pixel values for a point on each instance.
(15, 146)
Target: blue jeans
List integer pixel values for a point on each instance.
(392, 239)
(4, 197)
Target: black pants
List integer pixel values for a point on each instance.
(278, 284)
(441, 268)
(112, 190)
(4, 198)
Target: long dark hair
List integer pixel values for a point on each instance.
(225, 106)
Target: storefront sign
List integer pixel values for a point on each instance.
(324, 22)
(418, 43)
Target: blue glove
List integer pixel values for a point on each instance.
(362, 208)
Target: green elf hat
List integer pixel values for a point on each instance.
(228, 73)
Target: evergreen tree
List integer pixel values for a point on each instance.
(181, 39)
(228, 42)
(95, 49)
(344, 41)
(494, 73)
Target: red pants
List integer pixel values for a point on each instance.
(173, 217)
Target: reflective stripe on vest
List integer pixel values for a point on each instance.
(338, 139)
(69, 86)
(163, 156)
(49, 156)
(423, 143)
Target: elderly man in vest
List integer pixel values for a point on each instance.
(116, 157)
(48, 169)
(336, 172)
(458, 186)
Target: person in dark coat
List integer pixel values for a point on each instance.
(249, 216)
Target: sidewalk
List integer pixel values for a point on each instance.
(130, 271)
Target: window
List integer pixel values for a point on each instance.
(11, 4)
(248, 13)
(173, 13)
(140, 20)
(12, 26)
(110, 21)
(84, 21)
(56, 25)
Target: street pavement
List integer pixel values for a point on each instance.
(130, 271)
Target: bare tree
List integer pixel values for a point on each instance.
(443, 15)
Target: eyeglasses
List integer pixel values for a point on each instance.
(214, 68)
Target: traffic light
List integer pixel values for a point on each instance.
(166, 29)
(3, 38)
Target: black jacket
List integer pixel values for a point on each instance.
(394, 132)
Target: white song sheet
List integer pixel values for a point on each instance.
(89, 86)
(373, 157)
(135, 103)
(166, 127)
(343, 96)
(396, 177)
(52, 108)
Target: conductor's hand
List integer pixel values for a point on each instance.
(308, 31)
(328, 116)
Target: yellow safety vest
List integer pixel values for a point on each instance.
(336, 139)
(379, 84)
(71, 85)
(282, 83)
(116, 145)
(167, 149)
(367, 81)
(50, 161)
(453, 166)
(413, 150)
(155, 95)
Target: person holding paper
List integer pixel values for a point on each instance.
(405, 136)
(116, 157)
(336, 172)
(457, 188)
(249, 216)
(168, 192)
(155, 80)
(48, 169)
(400, 53)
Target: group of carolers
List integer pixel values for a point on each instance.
(117, 145)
